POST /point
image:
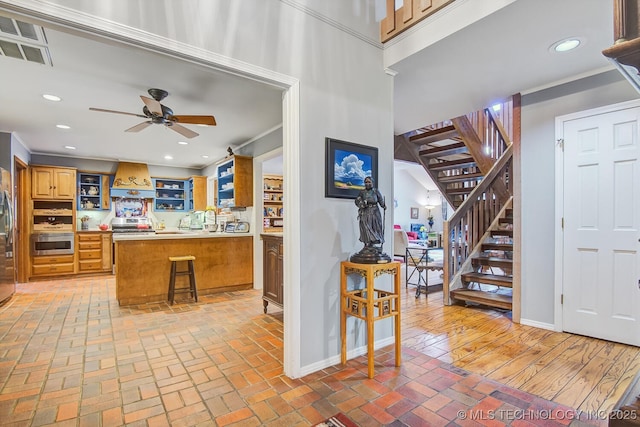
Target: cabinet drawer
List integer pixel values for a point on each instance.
(90, 265)
(52, 269)
(89, 237)
(90, 254)
(89, 245)
(59, 259)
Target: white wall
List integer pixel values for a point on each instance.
(539, 111)
(410, 192)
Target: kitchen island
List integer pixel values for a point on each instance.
(224, 262)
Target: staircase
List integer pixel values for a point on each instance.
(457, 154)
(470, 159)
(490, 282)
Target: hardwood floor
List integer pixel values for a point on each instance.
(584, 373)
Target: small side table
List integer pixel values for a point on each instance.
(369, 304)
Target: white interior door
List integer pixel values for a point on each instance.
(601, 199)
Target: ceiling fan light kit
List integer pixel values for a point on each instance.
(161, 114)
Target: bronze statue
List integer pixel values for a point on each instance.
(371, 225)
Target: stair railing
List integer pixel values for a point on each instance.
(464, 230)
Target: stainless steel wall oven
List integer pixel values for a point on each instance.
(52, 243)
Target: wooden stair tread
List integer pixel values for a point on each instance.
(452, 164)
(491, 261)
(444, 150)
(497, 247)
(486, 298)
(440, 134)
(498, 232)
(460, 191)
(506, 221)
(489, 279)
(461, 177)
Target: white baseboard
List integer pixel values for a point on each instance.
(336, 360)
(536, 324)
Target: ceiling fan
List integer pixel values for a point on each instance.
(161, 114)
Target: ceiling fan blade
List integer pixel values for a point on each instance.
(152, 105)
(139, 127)
(187, 133)
(117, 112)
(195, 120)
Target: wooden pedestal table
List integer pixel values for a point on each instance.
(369, 304)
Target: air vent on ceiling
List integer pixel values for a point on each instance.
(22, 40)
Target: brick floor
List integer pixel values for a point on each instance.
(70, 355)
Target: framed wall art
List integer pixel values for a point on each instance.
(346, 166)
(414, 213)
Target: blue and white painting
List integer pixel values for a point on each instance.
(351, 169)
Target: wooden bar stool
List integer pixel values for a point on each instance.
(189, 272)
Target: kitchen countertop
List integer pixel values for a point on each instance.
(175, 234)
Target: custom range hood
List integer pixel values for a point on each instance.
(132, 180)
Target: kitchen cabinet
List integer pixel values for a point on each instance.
(94, 252)
(272, 277)
(170, 195)
(197, 193)
(52, 265)
(235, 182)
(93, 191)
(52, 215)
(48, 182)
(272, 201)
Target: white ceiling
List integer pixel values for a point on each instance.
(503, 54)
(87, 73)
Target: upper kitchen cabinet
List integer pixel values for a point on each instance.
(48, 182)
(170, 195)
(235, 182)
(198, 193)
(93, 191)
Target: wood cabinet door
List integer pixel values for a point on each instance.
(271, 269)
(41, 183)
(243, 181)
(107, 258)
(64, 183)
(199, 193)
(280, 274)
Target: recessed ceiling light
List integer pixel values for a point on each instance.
(51, 97)
(168, 157)
(566, 44)
(63, 127)
(69, 147)
(183, 143)
(205, 156)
